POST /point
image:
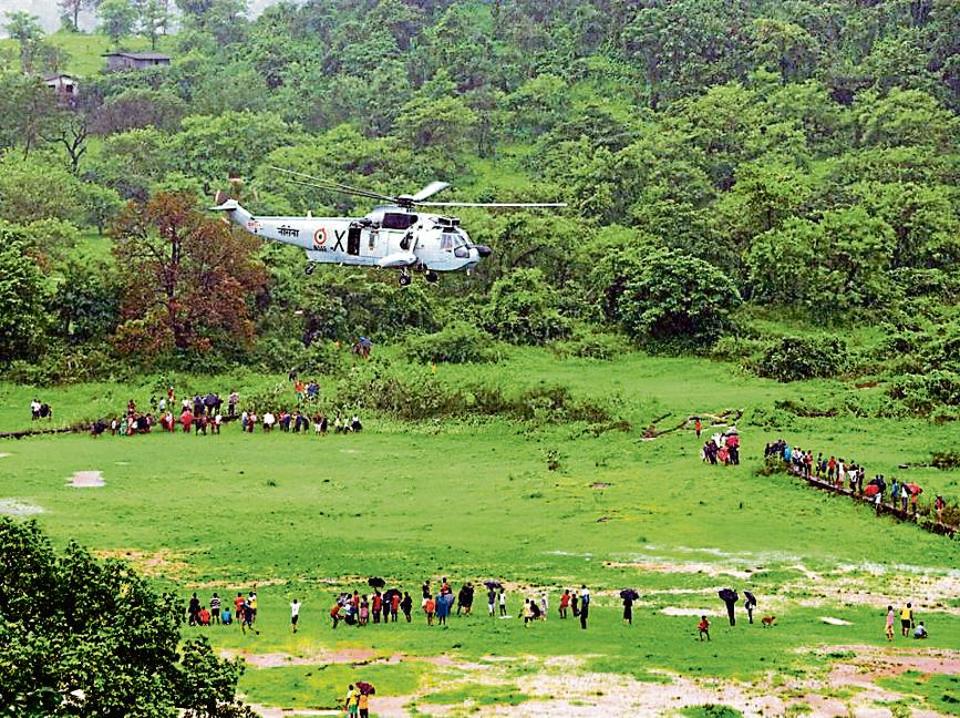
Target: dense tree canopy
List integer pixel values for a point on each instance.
(789, 154)
(83, 638)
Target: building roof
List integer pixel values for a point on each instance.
(59, 76)
(138, 55)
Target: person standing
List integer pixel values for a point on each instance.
(429, 607)
(906, 619)
(730, 598)
(294, 614)
(406, 605)
(377, 606)
(939, 505)
(584, 606)
(363, 704)
(215, 608)
(697, 426)
(394, 607)
(491, 602)
(628, 609)
(238, 607)
(750, 604)
(232, 402)
(503, 602)
(564, 603)
(890, 619)
(193, 610)
(351, 703)
(543, 605)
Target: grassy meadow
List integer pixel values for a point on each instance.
(475, 499)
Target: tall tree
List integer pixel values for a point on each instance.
(117, 19)
(23, 316)
(26, 30)
(186, 278)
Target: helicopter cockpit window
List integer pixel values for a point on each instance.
(446, 242)
(398, 220)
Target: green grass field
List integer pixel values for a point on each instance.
(85, 50)
(301, 516)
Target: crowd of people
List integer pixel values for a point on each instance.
(721, 448)
(204, 414)
(840, 474)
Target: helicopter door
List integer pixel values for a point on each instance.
(353, 241)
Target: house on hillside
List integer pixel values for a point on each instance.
(66, 86)
(120, 60)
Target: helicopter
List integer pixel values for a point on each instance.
(395, 235)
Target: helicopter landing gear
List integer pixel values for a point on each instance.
(308, 270)
(405, 279)
(432, 277)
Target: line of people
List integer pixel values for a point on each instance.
(839, 474)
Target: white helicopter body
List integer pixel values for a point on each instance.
(395, 236)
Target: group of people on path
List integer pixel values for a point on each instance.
(840, 474)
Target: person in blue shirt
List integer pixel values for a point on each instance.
(225, 617)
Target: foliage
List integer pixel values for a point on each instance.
(23, 292)
(662, 296)
(588, 344)
(797, 358)
(459, 342)
(523, 308)
(185, 280)
(88, 638)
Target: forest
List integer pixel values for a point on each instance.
(769, 181)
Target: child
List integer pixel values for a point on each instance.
(704, 628)
(226, 617)
(890, 620)
(527, 612)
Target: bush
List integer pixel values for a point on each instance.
(523, 309)
(457, 343)
(922, 393)
(666, 297)
(588, 344)
(798, 358)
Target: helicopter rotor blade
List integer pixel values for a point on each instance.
(491, 204)
(335, 186)
(329, 188)
(430, 190)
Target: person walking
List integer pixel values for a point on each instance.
(730, 598)
(294, 614)
(628, 609)
(704, 628)
(351, 704)
(891, 617)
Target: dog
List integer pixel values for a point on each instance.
(768, 621)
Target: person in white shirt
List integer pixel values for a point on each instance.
(269, 420)
(294, 614)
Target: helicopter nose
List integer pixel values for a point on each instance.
(483, 250)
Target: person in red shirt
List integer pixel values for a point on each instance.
(429, 607)
(394, 606)
(704, 628)
(335, 613)
(564, 603)
(377, 606)
(186, 420)
(204, 616)
(698, 426)
(238, 607)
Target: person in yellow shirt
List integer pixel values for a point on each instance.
(364, 705)
(906, 619)
(351, 703)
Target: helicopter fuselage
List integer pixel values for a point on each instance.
(389, 236)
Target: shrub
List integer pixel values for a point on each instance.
(457, 343)
(798, 358)
(666, 297)
(523, 309)
(588, 344)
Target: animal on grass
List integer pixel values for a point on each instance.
(768, 621)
